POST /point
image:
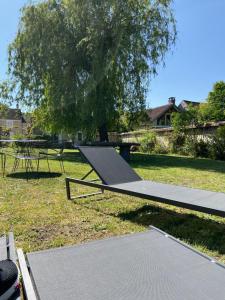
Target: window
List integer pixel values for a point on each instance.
(168, 119)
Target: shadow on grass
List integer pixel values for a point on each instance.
(191, 228)
(206, 233)
(34, 175)
(154, 161)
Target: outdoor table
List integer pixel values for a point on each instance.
(124, 148)
(25, 143)
(21, 141)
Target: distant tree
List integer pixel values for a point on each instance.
(3, 109)
(205, 113)
(182, 120)
(214, 108)
(216, 100)
(83, 62)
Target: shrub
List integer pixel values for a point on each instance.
(160, 149)
(177, 142)
(196, 147)
(148, 142)
(218, 144)
(202, 149)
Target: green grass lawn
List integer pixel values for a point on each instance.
(41, 217)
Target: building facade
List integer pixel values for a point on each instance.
(12, 122)
(161, 116)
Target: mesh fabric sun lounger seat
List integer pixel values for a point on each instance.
(130, 267)
(117, 176)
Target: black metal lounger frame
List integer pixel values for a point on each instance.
(90, 182)
(103, 187)
(119, 189)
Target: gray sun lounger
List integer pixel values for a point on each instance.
(150, 265)
(117, 176)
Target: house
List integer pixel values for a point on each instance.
(161, 116)
(187, 103)
(12, 122)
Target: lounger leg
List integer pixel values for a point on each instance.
(80, 196)
(88, 195)
(68, 189)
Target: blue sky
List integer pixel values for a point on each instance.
(195, 64)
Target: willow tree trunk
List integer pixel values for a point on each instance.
(103, 133)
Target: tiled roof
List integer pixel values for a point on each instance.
(188, 102)
(157, 112)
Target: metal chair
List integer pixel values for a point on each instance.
(56, 154)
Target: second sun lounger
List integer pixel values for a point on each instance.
(117, 176)
(142, 266)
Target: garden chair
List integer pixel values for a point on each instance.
(117, 176)
(55, 154)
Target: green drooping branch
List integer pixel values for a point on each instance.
(83, 62)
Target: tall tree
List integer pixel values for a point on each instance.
(82, 62)
(214, 107)
(216, 101)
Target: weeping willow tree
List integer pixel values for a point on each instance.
(82, 63)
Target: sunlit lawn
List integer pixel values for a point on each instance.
(41, 217)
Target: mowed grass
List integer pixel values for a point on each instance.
(41, 217)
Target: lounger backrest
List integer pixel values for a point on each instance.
(109, 165)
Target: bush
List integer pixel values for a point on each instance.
(202, 149)
(189, 145)
(196, 147)
(218, 144)
(148, 142)
(160, 149)
(177, 142)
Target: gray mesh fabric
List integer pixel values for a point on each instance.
(195, 199)
(140, 266)
(109, 165)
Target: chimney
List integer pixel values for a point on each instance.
(172, 100)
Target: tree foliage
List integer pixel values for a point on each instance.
(3, 109)
(182, 120)
(83, 62)
(216, 101)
